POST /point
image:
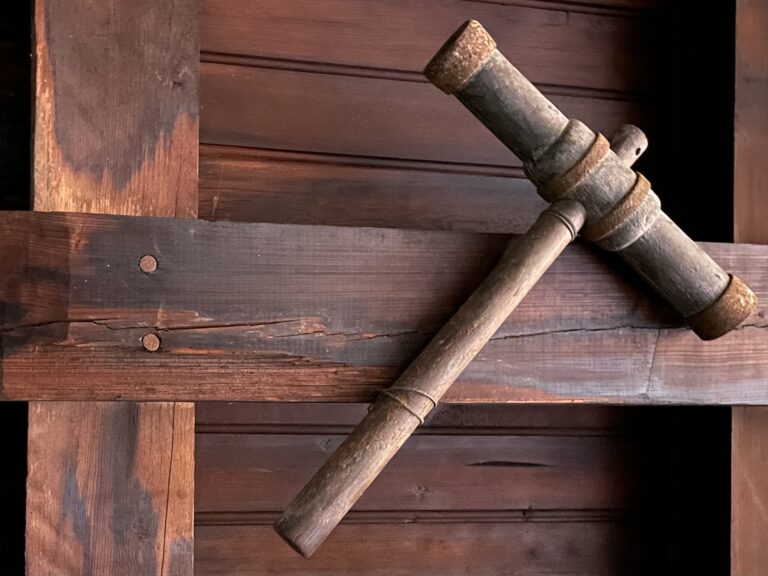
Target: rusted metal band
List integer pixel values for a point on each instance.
(561, 186)
(733, 306)
(620, 213)
(460, 58)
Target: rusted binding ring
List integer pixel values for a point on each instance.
(561, 186)
(620, 213)
(731, 308)
(389, 393)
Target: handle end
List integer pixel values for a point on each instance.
(733, 306)
(460, 58)
(305, 546)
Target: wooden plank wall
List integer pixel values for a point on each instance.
(323, 116)
(316, 113)
(492, 488)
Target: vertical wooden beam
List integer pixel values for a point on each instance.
(751, 123)
(110, 487)
(749, 468)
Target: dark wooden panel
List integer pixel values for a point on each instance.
(263, 472)
(239, 184)
(490, 549)
(554, 42)
(578, 420)
(283, 312)
(603, 6)
(110, 488)
(316, 112)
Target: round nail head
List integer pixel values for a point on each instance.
(151, 342)
(148, 264)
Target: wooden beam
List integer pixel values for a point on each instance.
(749, 470)
(110, 486)
(295, 313)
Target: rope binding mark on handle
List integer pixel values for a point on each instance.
(389, 393)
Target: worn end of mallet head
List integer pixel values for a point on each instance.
(726, 313)
(460, 58)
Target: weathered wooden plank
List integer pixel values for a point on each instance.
(381, 117)
(116, 107)
(284, 312)
(509, 419)
(110, 488)
(750, 129)
(749, 492)
(556, 42)
(246, 185)
(749, 469)
(572, 548)
(263, 472)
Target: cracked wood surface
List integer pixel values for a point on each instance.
(110, 486)
(295, 313)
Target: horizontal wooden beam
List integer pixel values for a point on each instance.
(306, 313)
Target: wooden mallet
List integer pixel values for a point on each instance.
(326, 499)
(588, 182)
(565, 159)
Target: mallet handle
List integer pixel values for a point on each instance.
(566, 159)
(334, 489)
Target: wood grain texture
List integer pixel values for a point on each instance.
(248, 185)
(749, 468)
(361, 304)
(245, 473)
(380, 117)
(749, 492)
(110, 488)
(601, 7)
(325, 419)
(398, 35)
(568, 548)
(750, 129)
(116, 114)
